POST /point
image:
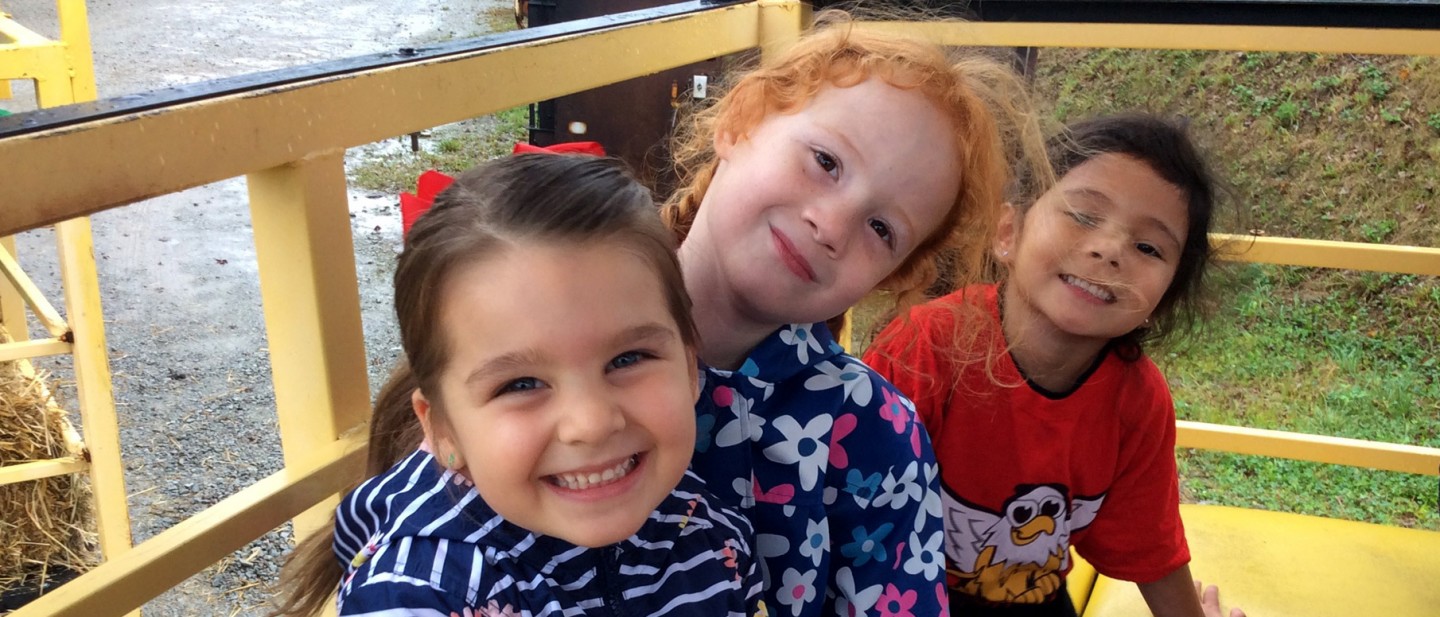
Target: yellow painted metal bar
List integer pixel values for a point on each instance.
(1330, 254)
(74, 170)
(4, 88)
(306, 258)
(19, 34)
(92, 384)
(33, 349)
(128, 581)
(1172, 36)
(75, 33)
(48, 316)
(781, 22)
(1303, 447)
(25, 472)
(12, 304)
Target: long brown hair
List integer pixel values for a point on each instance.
(527, 198)
(991, 122)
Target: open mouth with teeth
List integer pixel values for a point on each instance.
(1098, 292)
(579, 481)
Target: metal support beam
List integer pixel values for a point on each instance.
(308, 286)
(1330, 254)
(92, 384)
(1302, 447)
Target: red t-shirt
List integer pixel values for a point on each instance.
(1012, 454)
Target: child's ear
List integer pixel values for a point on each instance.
(723, 142)
(440, 446)
(1006, 233)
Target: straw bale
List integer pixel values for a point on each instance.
(47, 525)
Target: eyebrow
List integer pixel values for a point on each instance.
(1149, 221)
(516, 360)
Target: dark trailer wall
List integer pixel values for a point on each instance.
(632, 119)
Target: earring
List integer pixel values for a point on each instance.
(1004, 253)
(450, 461)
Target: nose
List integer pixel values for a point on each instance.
(589, 417)
(830, 224)
(1106, 247)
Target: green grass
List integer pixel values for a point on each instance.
(1314, 146)
(451, 149)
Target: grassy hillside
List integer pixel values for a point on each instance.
(1315, 146)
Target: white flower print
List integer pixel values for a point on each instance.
(817, 538)
(766, 388)
(926, 557)
(745, 426)
(797, 589)
(851, 602)
(804, 446)
(803, 340)
(769, 546)
(745, 488)
(930, 505)
(852, 377)
(899, 491)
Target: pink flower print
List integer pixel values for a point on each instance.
(844, 425)
(893, 409)
(942, 596)
(797, 589)
(723, 396)
(781, 494)
(896, 604)
(468, 612)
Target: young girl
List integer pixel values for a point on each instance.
(851, 161)
(1053, 427)
(548, 336)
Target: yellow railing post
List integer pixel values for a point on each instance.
(311, 301)
(12, 305)
(75, 33)
(92, 383)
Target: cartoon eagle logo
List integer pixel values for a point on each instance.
(1015, 556)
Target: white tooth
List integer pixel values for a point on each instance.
(594, 478)
(609, 475)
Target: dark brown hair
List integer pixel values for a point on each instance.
(1166, 147)
(527, 198)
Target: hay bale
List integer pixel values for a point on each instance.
(46, 525)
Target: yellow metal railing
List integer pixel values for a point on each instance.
(289, 140)
(63, 73)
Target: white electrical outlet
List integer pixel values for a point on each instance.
(702, 84)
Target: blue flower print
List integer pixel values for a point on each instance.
(703, 426)
(804, 446)
(868, 545)
(863, 487)
(799, 336)
(853, 378)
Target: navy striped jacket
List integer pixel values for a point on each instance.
(419, 540)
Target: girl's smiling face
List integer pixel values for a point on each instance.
(1095, 254)
(568, 395)
(811, 209)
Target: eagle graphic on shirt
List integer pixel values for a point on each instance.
(1018, 555)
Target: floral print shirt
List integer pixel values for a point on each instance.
(419, 540)
(827, 460)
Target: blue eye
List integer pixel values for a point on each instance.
(523, 384)
(826, 162)
(629, 358)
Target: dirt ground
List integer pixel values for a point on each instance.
(178, 273)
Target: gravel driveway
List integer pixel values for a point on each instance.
(178, 273)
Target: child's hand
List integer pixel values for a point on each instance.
(1210, 601)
